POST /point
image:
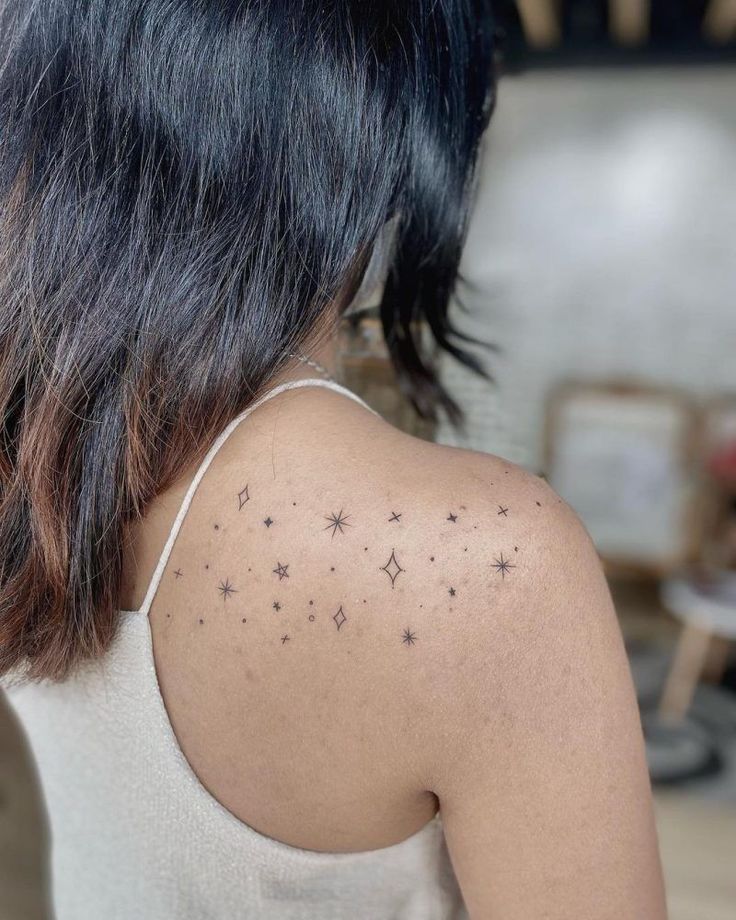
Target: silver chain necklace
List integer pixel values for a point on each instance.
(315, 365)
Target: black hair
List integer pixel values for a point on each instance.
(186, 187)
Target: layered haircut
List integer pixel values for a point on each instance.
(187, 188)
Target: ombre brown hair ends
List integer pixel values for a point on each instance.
(186, 186)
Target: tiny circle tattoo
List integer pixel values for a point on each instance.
(311, 618)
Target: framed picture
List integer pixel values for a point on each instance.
(624, 457)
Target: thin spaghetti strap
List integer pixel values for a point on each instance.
(210, 456)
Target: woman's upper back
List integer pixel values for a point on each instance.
(352, 628)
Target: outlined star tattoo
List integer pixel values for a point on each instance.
(392, 568)
(281, 571)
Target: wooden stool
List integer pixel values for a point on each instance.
(707, 609)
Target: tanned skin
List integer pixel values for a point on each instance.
(357, 628)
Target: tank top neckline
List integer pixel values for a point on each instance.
(145, 608)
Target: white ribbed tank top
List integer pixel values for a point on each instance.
(135, 835)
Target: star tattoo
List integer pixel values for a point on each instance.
(452, 517)
(502, 566)
(226, 589)
(281, 571)
(408, 637)
(337, 522)
(392, 568)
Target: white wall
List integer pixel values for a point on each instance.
(603, 243)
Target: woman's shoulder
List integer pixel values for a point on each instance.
(346, 591)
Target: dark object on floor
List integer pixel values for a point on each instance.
(678, 752)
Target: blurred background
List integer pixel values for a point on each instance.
(601, 263)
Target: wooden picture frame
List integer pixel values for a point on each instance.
(624, 457)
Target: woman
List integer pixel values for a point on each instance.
(260, 640)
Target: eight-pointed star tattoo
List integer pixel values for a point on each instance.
(337, 522)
